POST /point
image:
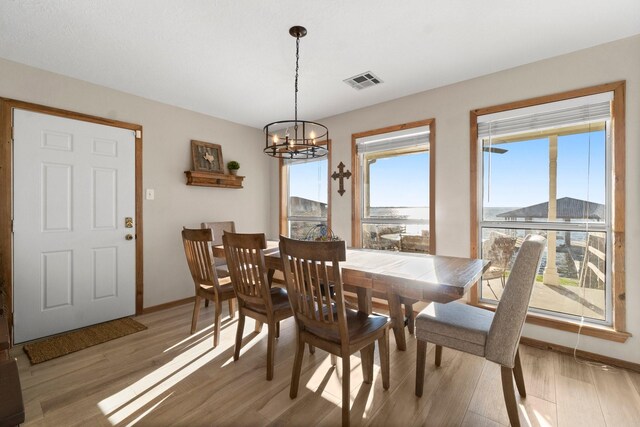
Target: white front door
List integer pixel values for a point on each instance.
(73, 187)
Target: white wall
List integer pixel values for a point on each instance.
(450, 107)
(167, 132)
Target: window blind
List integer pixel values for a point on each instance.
(587, 109)
(301, 161)
(416, 137)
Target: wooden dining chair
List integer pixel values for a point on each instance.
(256, 299)
(197, 248)
(217, 229)
(310, 268)
(494, 336)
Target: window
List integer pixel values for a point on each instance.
(545, 167)
(393, 188)
(304, 195)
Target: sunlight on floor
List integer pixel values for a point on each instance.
(366, 413)
(138, 400)
(330, 387)
(539, 419)
(196, 335)
(246, 345)
(148, 411)
(138, 395)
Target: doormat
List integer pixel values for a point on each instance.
(71, 342)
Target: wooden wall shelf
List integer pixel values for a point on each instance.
(213, 179)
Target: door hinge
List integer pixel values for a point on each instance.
(138, 133)
(12, 226)
(11, 140)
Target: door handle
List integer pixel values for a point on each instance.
(129, 237)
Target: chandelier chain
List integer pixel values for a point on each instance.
(311, 140)
(296, 85)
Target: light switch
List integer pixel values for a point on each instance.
(150, 194)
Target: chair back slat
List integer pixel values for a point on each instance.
(506, 328)
(310, 269)
(302, 300)
(245, 259)
(326, 283)
(312, 282)
(197, 248)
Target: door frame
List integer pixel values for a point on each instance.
(6, 190)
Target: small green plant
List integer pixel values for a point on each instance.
(233, 165)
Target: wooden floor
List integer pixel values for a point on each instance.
(163, 376)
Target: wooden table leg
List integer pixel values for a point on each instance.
(397, 319)
(270, 274)
(364, 300)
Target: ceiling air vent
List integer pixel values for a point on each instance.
(362, 81)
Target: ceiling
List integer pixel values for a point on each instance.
(236, 60)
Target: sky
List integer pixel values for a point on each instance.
(309, 180)
(519, 177)
(389, 179)
(400, 181)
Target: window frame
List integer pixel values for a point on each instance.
(356, 188)
(284, 193)
(617, 331)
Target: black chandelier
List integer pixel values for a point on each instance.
(296, 139)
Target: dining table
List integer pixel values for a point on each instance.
(394, 276)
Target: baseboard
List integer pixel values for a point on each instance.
(167, 305)
(581, 354)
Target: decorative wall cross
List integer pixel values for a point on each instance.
(342, 175)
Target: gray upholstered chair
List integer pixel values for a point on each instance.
(494, 336)
(218, 229)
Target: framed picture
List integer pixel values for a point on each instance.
(206, 157)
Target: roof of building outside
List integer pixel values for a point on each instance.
(566, 208)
